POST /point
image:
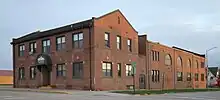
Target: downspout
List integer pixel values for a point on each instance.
(149, 63)
(90, 55)
(13, 47)
(192, 78)
(174, 61)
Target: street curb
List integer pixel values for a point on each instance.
(40, 91)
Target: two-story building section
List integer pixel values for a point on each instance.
(97, 54)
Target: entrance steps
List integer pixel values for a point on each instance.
(45, 87)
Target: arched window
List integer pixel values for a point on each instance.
(168, 60)
(188, 63)
(179, 61)
(196, 64)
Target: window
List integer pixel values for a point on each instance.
(179, 76)
(128, 70)
(188, 76)
(155, 55)
(33, 72)
(32, 47)
(107, 69)
(196, 77)
(155, 75)
(21, 73)
(129, 45)
(179, 61)
(78, 40)
(119, 69)
(60, 43)
(196, 64)
(168, 60)
(118, 20)
(202, 64)
(202, 77)
(119, 42)
(107, 40)
(46, 46)
(188, 63)
(21, 50)
(78, 69)
(61, 70)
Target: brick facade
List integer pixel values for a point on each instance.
(94, 53)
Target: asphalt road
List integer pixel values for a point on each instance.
(87, 95)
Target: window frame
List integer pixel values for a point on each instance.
(21, 50)
(21, 73)
(34, 73)
(77, 38)
(60, 43)
(129, 44)
(128, 69)
(179, 61)
(169, 59)
(155, 76)
(196, 77)
(189, 78)
(47, 46)
(202, 77)
(105, 69)
(118, 42)
(62, 71)
(33, 47)
(107, 39)
(180, 79)
(80, 69)
(119, 69)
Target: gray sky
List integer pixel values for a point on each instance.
(189, 24)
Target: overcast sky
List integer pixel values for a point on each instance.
(189, 24)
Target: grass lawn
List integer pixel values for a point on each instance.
(143, 92)
(6, 84)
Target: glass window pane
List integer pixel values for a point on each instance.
(75, 37)
(63, 40)
(108, 66)
(80, 43)
(58, 40)
(106, 36)
(118, 39)
(48, 42)
(103, 65)
(44, 43)
(80, 36)
(129, 42)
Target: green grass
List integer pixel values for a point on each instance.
(6, 84)
(142, 92)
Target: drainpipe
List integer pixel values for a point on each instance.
(13, 48)
(149, 63)
(192, 78)
(90, 54)
(174, 61)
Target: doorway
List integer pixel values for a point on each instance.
(45, 76)
(142, 81)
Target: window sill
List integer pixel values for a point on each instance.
(107, 77)
(77, 78)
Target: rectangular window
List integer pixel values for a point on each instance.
(78, 70)
(107, 69)
(119, 42)
(202, 77)
(155, 55)
(78, 40)
(119, 69)
(196, 77)
(33, 72)
(188, 76)
(21, 50)
(179, 76)
(129, 45)
(202, 64)
(32, 47)
(128, 70)
(61, 70)
(155, 76)
(46, 46)
(107, 39)
(21, 73)
(60, 43)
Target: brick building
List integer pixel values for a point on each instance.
(97, 54)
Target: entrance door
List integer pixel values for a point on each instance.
(45, 76)
(142, 81)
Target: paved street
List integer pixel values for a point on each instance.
(87, 95)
